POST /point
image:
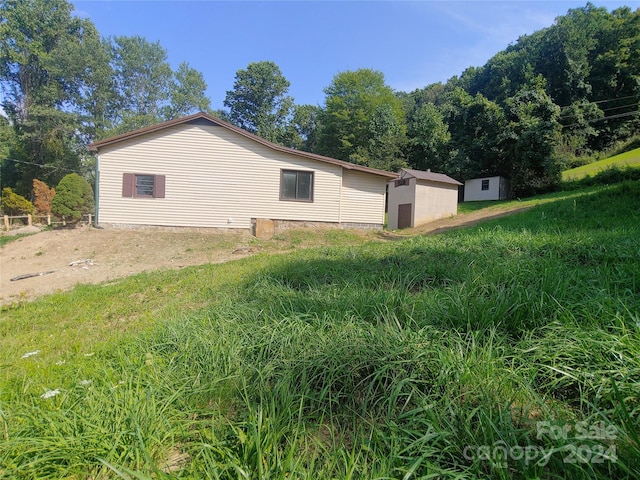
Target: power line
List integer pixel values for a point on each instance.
(49, 167)
(603, 110)
(619, 115)
(607, 100)
(623, 106)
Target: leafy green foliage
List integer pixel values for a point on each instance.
(73, 199)
(141, 77)
(14, 204)
(303, 129)
(186, 93)
(386, 142)
(529, 141)
(45, 66)
(355, 102)
(259, 102)
(475, 124)
(428, 138)
(589, 55)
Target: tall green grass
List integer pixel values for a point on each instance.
(453, 356)
(629, 159)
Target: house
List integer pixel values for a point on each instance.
(198, 171)
(417, 197)
(487, 188)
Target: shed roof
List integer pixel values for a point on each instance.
(429, 175)
(96, 146)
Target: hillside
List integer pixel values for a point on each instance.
(507, 350)
(627, 159)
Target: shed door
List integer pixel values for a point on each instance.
(404, 215)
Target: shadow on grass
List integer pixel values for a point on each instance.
(513, 274)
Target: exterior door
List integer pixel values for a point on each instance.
(404, 215)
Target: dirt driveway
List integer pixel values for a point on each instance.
(89, 255)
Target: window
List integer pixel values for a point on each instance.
(401, 182)
(136, 185)
(144, 185)
(485, 184)
(296, 185)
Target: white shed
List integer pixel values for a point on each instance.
(487, 188)
(418, 197)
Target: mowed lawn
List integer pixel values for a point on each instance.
(627, 159)
(506, 350)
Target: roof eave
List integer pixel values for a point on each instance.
(95, 147)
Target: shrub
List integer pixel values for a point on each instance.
(14, 204)
(74, 198)
(43, 196)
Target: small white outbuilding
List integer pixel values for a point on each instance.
(418, 197)
(486, 188)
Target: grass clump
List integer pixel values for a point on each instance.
(479, 353)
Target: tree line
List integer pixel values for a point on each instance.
(541, 105)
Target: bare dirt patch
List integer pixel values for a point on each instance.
(89, 255)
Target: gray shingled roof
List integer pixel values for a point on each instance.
(431, 176)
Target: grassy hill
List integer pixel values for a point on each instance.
(507, 350)
(627, 159)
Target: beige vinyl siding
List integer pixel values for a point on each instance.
(362, 198)
(218, 178)
(434, 201)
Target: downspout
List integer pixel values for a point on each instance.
(340, 197)
(97, 191)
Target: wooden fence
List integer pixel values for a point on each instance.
(30, 219)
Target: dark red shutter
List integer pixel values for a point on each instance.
(128, 184)
(158, 186)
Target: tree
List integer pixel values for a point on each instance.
(615, 77)
(73, 199)
(14, 204)
(353, 101)
(43, 196)
(45, 69)
(475, 124)
(186, 93)
(141, 80)
(428, 139)
(259, 102)
(579, 128)
(7, 145)
(386, 142)
(529, 140)
(303, 128)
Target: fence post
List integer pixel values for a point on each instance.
(48, 219)
(6, 222)
(64, 224)
(29, 219)
(89, 219)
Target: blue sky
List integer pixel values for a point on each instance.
(413, 43)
